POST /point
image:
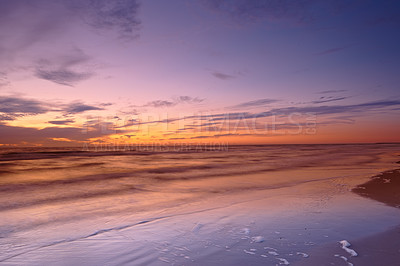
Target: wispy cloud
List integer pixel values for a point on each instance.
(47, 16)
(210, 122)
(333, 50)
(160, 103)
(65, 70)
(173, 102)
(118, 15)
(318, 110)
(223, 76)
(61, 122)
(12, 107)
(18, 135)
(79, 107)
(3, 79)
(201, 137)
(188, 99)
(30, 24)
(62, 76)
(255, 103)
(328, 99)
(6, 117)
(336, 109)
(332, 91)
(253, 11)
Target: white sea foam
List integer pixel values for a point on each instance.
(182, 248)
(283, 261)
(274, 249)
(345, 259)
(246, 231)
(273, 253)
(345, 245)
(258, 239)
(305, 255)
(164, 259)
(249, 252)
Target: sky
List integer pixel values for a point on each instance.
(78, 72)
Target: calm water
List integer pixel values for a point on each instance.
(56, 195)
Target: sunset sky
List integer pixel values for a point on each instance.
(277, 71)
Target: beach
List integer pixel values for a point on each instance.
(256, 205)
(381, 248)
(205, 132)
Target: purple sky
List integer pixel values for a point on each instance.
(74, 71)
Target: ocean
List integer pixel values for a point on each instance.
(186, 205)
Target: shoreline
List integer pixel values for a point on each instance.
(295, 211)
(384, 187)
(378, 249)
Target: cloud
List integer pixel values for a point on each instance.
(26, 23)
(66, 69)
(118, 15)
(41, 28)
(333, 50)
(216, 123)
(188, 99)
(227, 134)
(279, 12)
(3, 79)
(201, 137)
(13, 107)
(21, 105)
(244, 11)
(173, 102)
(319, 110)
(220, 75)
(79, 107)
(328, 99)
(160, 103)
(62, 76)
(332, 91)
(335, 109)
(48, 16)
(105, 104)
(255, 103)
(61, 122)
(210, 121)
(4, 117)
(19, 135)
(342, 119)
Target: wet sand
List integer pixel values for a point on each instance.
(379, 249)
(268, 205)
(384, 187)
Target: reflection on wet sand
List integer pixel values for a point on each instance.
(250, 205)
(384, 187)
